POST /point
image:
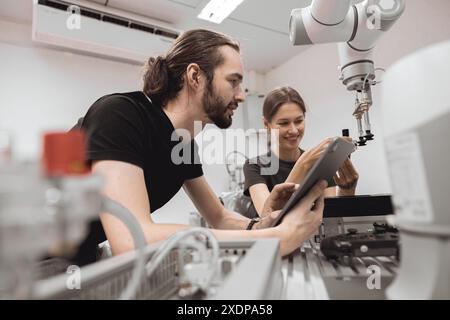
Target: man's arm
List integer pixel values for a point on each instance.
(296, 227)
(125, 184)
(219, 217)
(209, 206)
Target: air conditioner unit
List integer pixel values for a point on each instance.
(86, 27)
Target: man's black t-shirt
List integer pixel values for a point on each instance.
(128, 127)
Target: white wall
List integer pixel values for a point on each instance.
(314, 74)
(43, 89)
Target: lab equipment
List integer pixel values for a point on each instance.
(234, 163)
(416, 129)
(378, 243)
(46, 210)
(171, 272)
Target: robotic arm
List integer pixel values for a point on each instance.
(356, 28)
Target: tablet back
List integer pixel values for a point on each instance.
(324, 169)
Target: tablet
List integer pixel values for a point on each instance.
(324, 169)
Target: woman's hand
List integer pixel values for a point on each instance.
(303, 221)
(307, 161)
(346, 179)
(309, 158)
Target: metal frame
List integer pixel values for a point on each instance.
(105, 280)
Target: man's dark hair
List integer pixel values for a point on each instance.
(163, 78)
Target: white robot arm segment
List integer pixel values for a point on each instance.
(330, 12)
(359, 25)
(356, 28)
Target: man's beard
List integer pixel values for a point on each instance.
(216, 108)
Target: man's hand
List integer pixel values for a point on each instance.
(274, 203)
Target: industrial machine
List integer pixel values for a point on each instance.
(44, 212)
(415, 128)
(182, 267)
(49, 212)
(356, 29)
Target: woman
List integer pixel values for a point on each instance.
(284, 117)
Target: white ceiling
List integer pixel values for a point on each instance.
(261, 26)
